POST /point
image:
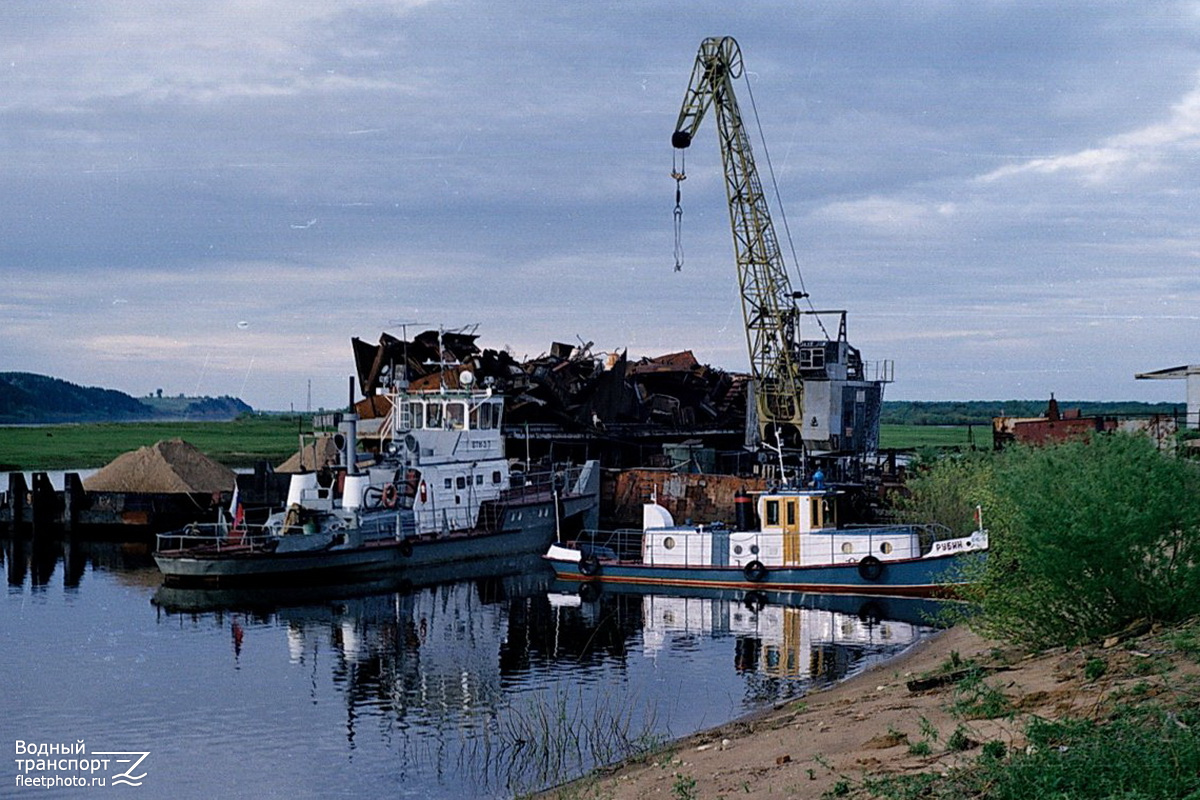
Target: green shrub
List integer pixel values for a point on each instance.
(1086, 536)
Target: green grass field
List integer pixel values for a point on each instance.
(274, 439)
(913, 437)
(236, 444)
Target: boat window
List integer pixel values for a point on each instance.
(479, 479)
(669, 543)
(495, 476)
(791, 515)
(885, 548)
(772, 512)
(481, 417)
(416, 413)
(497, 412)
(449, 483)
(461, 482)
(433, 416)
(847, 547)
(737, 549)
(456, 416)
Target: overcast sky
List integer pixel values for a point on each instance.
(214, 197)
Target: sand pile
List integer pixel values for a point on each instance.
(171, 466)
(321, 452)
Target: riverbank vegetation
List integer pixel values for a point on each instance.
(1094, 555)
(1086, 536)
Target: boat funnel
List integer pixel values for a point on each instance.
(301, 483)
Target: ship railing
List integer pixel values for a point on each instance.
(214, 536)
(622, 544)
(542, 484)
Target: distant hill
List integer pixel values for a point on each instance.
(980, 412)
(29, 399)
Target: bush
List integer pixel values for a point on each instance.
(1086, 536)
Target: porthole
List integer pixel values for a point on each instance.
(885, 548)
(754, 549)
(669, 543)
(737, 549)
(847, 548)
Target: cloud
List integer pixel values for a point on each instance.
(1141, 150)
(887, 214)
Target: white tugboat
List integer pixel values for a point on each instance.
(440, 491)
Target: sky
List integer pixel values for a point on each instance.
(213, 198)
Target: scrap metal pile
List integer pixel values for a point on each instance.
(570, 386)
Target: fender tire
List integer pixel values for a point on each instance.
(589, 565)
(755, 572)
(589, 592)
(755, 601)
(870, 569)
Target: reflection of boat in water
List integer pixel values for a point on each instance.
(913, 610)
(520, 575)
(441, 491)
(798, 547)
(777, 634)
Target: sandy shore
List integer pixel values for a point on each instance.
(871, 724)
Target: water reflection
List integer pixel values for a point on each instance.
(491, 685)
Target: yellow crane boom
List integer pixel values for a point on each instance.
(768, 303)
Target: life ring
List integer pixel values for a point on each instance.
(754, 571)
(389, 495)
(406, 548)
(870, 569)
(589, 565)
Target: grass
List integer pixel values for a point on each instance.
(272, 438)
(913, 437)
(1144, 746)
(239, 443)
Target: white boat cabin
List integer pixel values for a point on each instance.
(443, 458)
(798, 528)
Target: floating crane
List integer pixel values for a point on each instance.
(807, 394)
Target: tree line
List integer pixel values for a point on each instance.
(981, 412)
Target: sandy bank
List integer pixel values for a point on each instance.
(875, 724)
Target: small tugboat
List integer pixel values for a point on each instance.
(440, 491)
(799, 547)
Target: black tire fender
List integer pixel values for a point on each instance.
(755, 601)
(755, 572)
(589, 565)
(589, 592)
(870, 569)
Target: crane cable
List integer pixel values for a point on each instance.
(679, 173)
(779, 202)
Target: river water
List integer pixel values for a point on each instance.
(487, 686)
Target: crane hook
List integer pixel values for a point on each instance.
(679, 174)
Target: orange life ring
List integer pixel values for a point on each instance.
(389, 495)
